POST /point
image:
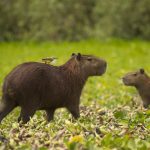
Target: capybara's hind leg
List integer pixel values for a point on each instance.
(26, 114)
(5, 108)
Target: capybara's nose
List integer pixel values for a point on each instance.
(105, 64)
(123, 78)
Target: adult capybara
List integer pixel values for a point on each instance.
(141, 81)
(38, 86)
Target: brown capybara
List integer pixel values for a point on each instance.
(38, 86)
(141, 81)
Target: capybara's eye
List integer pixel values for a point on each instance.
(135, 74)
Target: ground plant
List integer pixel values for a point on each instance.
(111, 114)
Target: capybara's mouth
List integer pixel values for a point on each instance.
(102, 71)
(125, 81)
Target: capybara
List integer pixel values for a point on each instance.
(141, 81)
(38, 86)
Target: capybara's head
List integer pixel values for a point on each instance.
(135, 78)
(90, 65)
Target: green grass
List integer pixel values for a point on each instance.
(110, 115)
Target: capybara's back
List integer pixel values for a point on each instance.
(32, 83)
(37, 86)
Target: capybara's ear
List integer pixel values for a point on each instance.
(142, 71)
(79, 56)
(73, 54)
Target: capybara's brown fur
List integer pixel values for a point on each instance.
(141, 81)
(37, 86)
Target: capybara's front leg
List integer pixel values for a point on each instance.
(74, 109)
(50, 114)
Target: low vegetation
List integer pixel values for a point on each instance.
(111, 113)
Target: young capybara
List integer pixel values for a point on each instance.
(38, 86)
(141, 81)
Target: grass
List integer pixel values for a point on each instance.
(111, 117)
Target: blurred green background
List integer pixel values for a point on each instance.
(74, 19)
(116, 30)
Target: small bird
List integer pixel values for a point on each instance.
(48, 60)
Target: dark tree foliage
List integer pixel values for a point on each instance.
(73, 19)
